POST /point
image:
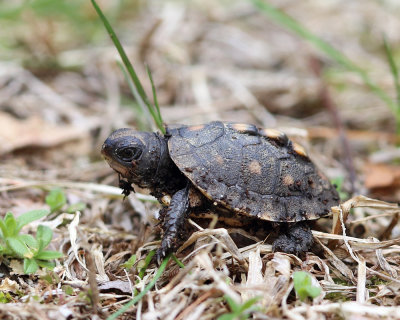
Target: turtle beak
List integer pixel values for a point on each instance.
(107, 151)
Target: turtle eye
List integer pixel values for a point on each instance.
(129, 153)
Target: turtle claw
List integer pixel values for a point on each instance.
(165, 248)
(160, 255)
(126, 187)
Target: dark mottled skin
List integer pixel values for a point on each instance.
(240, 170)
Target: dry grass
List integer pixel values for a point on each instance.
(210, 60)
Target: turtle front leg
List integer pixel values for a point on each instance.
(173, 222)
(297, 239)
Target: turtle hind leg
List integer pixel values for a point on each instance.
(296, 239)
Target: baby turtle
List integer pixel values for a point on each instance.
(237, 170)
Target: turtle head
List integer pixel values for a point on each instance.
(135, 156)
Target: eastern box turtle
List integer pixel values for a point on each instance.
(237, 170)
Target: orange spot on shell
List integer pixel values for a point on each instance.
(255, 167)
(196, 128)
(275, 135)
(244, 128)
(299, 150)
(288, 180)
(219, 159)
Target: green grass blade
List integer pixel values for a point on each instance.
(395, 73)
(129, 67)
(148, 112)
(143, 293)
(157, 107)
(291, 24)
(121, 52)
(147, 261)
(178, 262)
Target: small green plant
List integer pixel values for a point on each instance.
(68, 290)
(141, 266)
(338, 182)
(239, 311)
(337, 297)
(50, 278)
(150, 285)
(56, 200)
(144, 264)
(5, 297)
(24, 246)
(303, 286)
(129, 264)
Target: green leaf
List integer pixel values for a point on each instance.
(68, 290)
(303, 287)
(10, 224)
(18, 246)
(249, 303)
(79, 206)
(46, 264)
(5, 297)
(44, 235)
(129, 264)
(56, 199)
(232, 304)
(147, 261)
(48, 278)
(29, 241)
(48, 255)
(313, 292)
(3, 228)
(30, 266)
(227, 316)
(30, 216)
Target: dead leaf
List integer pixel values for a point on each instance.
(9, 285)
(17, 267)
(254, 275)
(382, 176)
(123, 286)
(34, 132)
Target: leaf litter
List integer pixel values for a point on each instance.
(52, 128)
